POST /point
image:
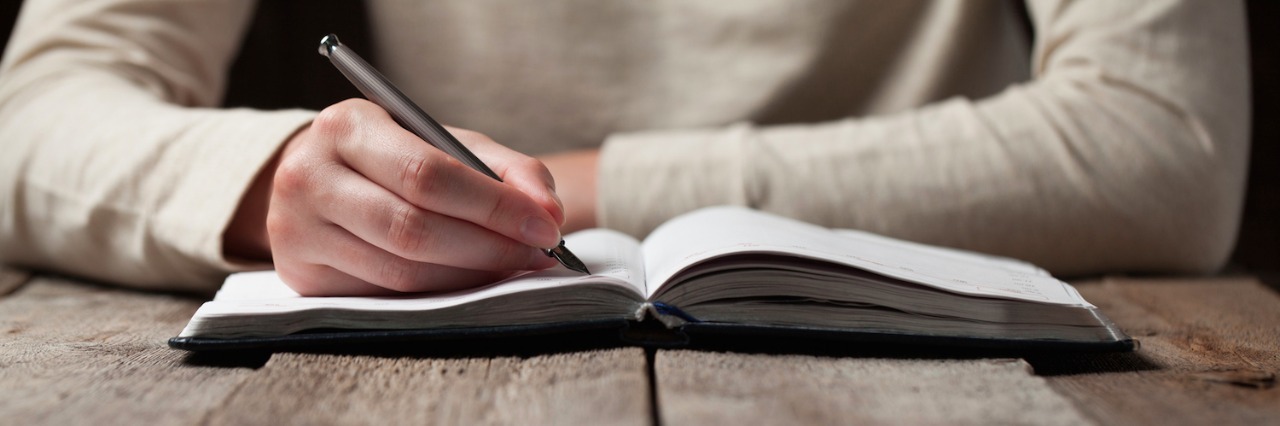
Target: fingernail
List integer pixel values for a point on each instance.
(555, 197)
(540, 232)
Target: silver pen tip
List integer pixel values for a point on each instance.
(327, 44)
(567, 258)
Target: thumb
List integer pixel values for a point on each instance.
(535, 181)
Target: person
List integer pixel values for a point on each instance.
(1104, 136)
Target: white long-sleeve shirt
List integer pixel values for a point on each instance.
(1106, 136)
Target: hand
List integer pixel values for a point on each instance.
(360, 206)
(575, 180)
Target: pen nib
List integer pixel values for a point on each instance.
(566, 258)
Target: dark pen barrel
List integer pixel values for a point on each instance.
(378, 89)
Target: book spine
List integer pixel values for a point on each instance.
(670, 315)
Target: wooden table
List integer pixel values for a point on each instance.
(73, 352)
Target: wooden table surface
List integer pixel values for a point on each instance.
(75, 353)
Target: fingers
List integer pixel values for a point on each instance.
(369, 264)
(431, 180)
(359, 206)
(383, 219)
(323, 259)
(321, 280)
(360, 265)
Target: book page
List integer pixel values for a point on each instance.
(714, 232)
(613, 258)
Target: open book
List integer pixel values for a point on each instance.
(724, 270)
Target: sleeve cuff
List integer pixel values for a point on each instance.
(198, 214)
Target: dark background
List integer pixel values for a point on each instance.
(287, 32)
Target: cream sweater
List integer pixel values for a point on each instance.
(1108, 136)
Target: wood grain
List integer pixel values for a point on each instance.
(75, 354)
(592, 387)
(1211, 350)
(729, 388)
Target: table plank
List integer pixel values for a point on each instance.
(732, 388)
(74, 353)
(1211, 348)
(590, 387)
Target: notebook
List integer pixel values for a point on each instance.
(720, 271)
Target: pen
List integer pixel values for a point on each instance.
(380, 91)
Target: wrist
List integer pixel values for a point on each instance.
(246, 237)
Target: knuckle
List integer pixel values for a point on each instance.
(424, 175)
(533, 165)
(536, 169)
(413, 168)
(286, 233)
(278, 226)
(290, 178)
(338, 120)
(408, 233)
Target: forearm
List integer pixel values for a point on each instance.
(128, 190)
(114, 167)
(1109, 160)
